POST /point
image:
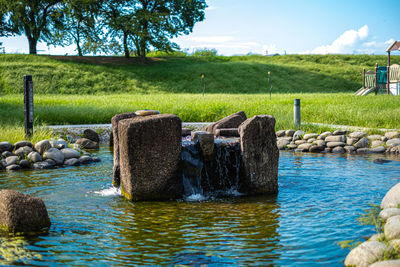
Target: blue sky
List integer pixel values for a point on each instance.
(291, 26)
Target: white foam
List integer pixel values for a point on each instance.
(112, 191)
(234, 192)
(195, 197)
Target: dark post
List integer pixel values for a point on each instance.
(296, 113)
(376, 76)
(28, 105)
(388, 73)
(363, 78)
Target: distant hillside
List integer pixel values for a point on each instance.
(238, 74)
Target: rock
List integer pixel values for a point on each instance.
(205, 141)
(395, 243)
(375, 137)
(366, 253)
(321, 142)
(305, 146)
(391, 135)
(378, 150)
(384, 138)
(316, 148)
(362, 143)
(51, 162)
(393, 142)
(299, 150)
(357, 135)
(381, 161)
(395, 150)
(150, 155)
(232, 121)
(311, 140)
(324, 135)
(291, 146)
(392, 227)
(147, 112)
(22, 144)
(96, 159)
(42, 146)
(376, 143)
(87, 144)
(392, 198)
(5, 146)
(349, 149)
(24, 164)
(338, 150)
(91, 135)
(227, 132)
(386, 263)
(289, 132)
(42, 165)
(12, 160)
(116, 165)
(54, 154)
(186, 132)
(310, 135)
(299, 142)
(23, 151)
(22, 213)
(334, 144)
(260, 155)
(336, 138)
(280, 133)
(85, 159)
(328, 150)
(298, 134)
(340, 132)
(70, 153)
(3, 164)
(351, 141)
(13, 167)
(6, 154)
(362, 150)
(35, 157)
(59, 144)
(72, 162)
(282, 143)
(389, 212)
(377, 237)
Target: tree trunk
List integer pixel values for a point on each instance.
(126, 48)
(79, 50)
(32, 46)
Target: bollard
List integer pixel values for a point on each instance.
(296, 113)
(28, 105)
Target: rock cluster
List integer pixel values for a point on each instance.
(45, 154)
(386, 243)
(340, 141)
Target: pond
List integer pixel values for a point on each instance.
(320, 197)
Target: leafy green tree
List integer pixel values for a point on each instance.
(37, 19)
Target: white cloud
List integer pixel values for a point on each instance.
(212, 39)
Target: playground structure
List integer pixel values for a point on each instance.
(384, 78)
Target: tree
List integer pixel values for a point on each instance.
(79, 26)
(37, 19)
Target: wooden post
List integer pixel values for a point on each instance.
(28, 105)
(363, 78)
(376, 76)
(388, 74)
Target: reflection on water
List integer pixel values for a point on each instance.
(319, 198)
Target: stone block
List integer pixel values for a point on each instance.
(232, 121)
(205, 141)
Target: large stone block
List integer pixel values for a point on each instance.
(150, 151)
(232, 121)
(115, 141)
(260, 155)
(22, 213)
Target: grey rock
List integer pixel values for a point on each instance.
(96, 159)
(85, 159)
(336, 138)
(321, 143)
(298, 134)
(384, 138)
(377, 237)
(386, 263)
(289, 132)
(351, 141)
(22, 213)
(51, 162)
(280, 133)
(22, 144)
(23, 151)
(35, 157)
(12, 160)
(227, 132)
(87, 144)
(6, 154)
(311, 140)
(392, 198)
(389, 212)
(391, 135)
(316, 148)
(260, 155)
(59, 144)
(338, 150)
(54, 154)
(299, 142)
(72, 162)
(392, 227)
(70, 153)
(362, 143)
(310, 135)
(378, 150)
(5, 146)
(186, 132)
(205, 141)
(13, 167)
(395, 243)
(395, 150)
(91, 135)
(366, 253)
(3, 164)
(357, 135)
(43, 165)
(291, 146)
(328, 150)
(282, 143)
(147, 112)
(362, 150)
(393, 142)
(42, 146)
(299, 150)
(375, 137)
(335, 144)
(24, 164)
(349, 149)
(305, 146)
(324, 135)
(232, 121)
(340, 132)
(376, 143)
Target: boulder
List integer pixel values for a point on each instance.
(96, 159)
(310, 135)
(375, 137)
(150, 154)
(70, 153)
(6, 154)
(227, 132)
(51, 162)
(378, 150)
(391, 135)
(59, 144)
(298, 135)
(291, 146)
(366, 253)
(23, 151)
(377, 237)
(305, 146)
(335, 144)
(386, 263)
(395, 150)
(362, 150)
(280, 133)
(5, 146)
(349, 149)
(54, 154)
(87, 144)
(376, 143)
(22, 213)
(205, 141)
(362, 143)
(186, 132)
(393, 142)
(299, 142)
(327, 150)
(392, 198)
(260, 155)
(392, 227)
(357, 135)
(42, 146)
(91, 135)
(42, 165)
(384, 138)
(22, 144)
(336, 138)
(324, 135)
(116, 166)
(316, 148)
(338, 150)
(311, 140)
(34, 157)
(351, 141)
(282, 143)
(12, 160)
(289, 133)
(389, 212)
(85, 159)
(340, 132)
(13, 167)
(147, 112)
(232, 121)
(72, 162)
(24, 164)
(320, 142)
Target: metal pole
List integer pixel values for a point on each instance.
(28, 105)
(376, 76)
(363, 78)
(388, 74)
(296, 113)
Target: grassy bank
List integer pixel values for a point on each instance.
(233, 75)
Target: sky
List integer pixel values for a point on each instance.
(237, 27)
